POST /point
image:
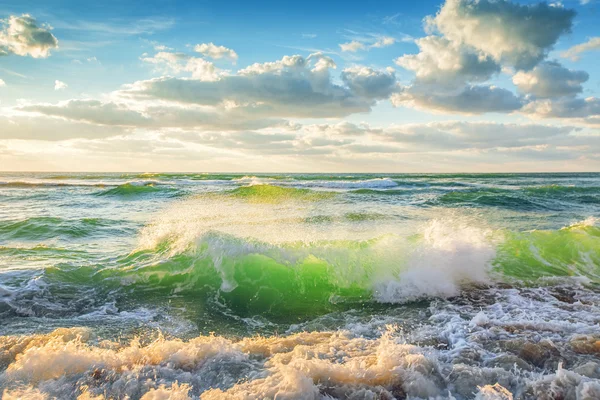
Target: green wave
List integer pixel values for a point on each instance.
(40, 228)
(571, 251)
(489, 198)
(275, 194)
(295, 281)
(132, 190)
(562, 190)
(382, 192)
(529, 198)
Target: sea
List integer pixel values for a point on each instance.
(299, 286)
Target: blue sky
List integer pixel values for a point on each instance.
(460, 85)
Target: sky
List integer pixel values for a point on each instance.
(312, 86)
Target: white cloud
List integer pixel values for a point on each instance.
(476, 39)
(468, 146)
(454, 135)
(444, 62)
(384, 41)
(567, 107)
(550, 79)
(467, 100)
(152, 116)
(216, 52)
(370, 83)
(294, 86)
(90, 111)
(58, 85)
(513, 34)
(369, 42)
(2, 83)
(180, 62)
(352, 46)
(27, 127)
(22, 36)
(574, 53)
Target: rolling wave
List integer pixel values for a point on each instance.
(134, 189)
(299, 280)
(40, 228)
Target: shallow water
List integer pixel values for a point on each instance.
(313, 286)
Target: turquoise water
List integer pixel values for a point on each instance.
(464, 269)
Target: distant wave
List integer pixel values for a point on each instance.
(39, 228)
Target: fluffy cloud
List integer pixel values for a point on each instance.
(471, 41)
(216, 52)
(444, 62)
(294, 86)
(467, 100)
(513, 34)
(370, 83)
(567, 107)
(23, 36)
(2, 83)
(352, 46)
(59, 85)
(574, 53)
(550, 79)
(180, 62)
(384, 41)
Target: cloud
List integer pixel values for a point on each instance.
(255, 142)
(513, 34)
(90, 111)
(444, 62)
(22, 36)
(120, 27)
(472, 40)
(443, 145)
(294, 86)
(309, 35)
(384, 41)
(58, 85)
(180, 62)
(550, 79)
(2, 83)
(454, 135)
(216, 52)
(369, 42)
(467, 100)
(26, 127)
(344, 128)
(352, 46)
(567, 107)
(153, 116)
(574, 53)
(370, 83)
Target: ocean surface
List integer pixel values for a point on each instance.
(299, 286)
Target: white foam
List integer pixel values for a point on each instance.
(376, 183)
(452, 254)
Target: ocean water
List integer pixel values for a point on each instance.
(307, 286)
